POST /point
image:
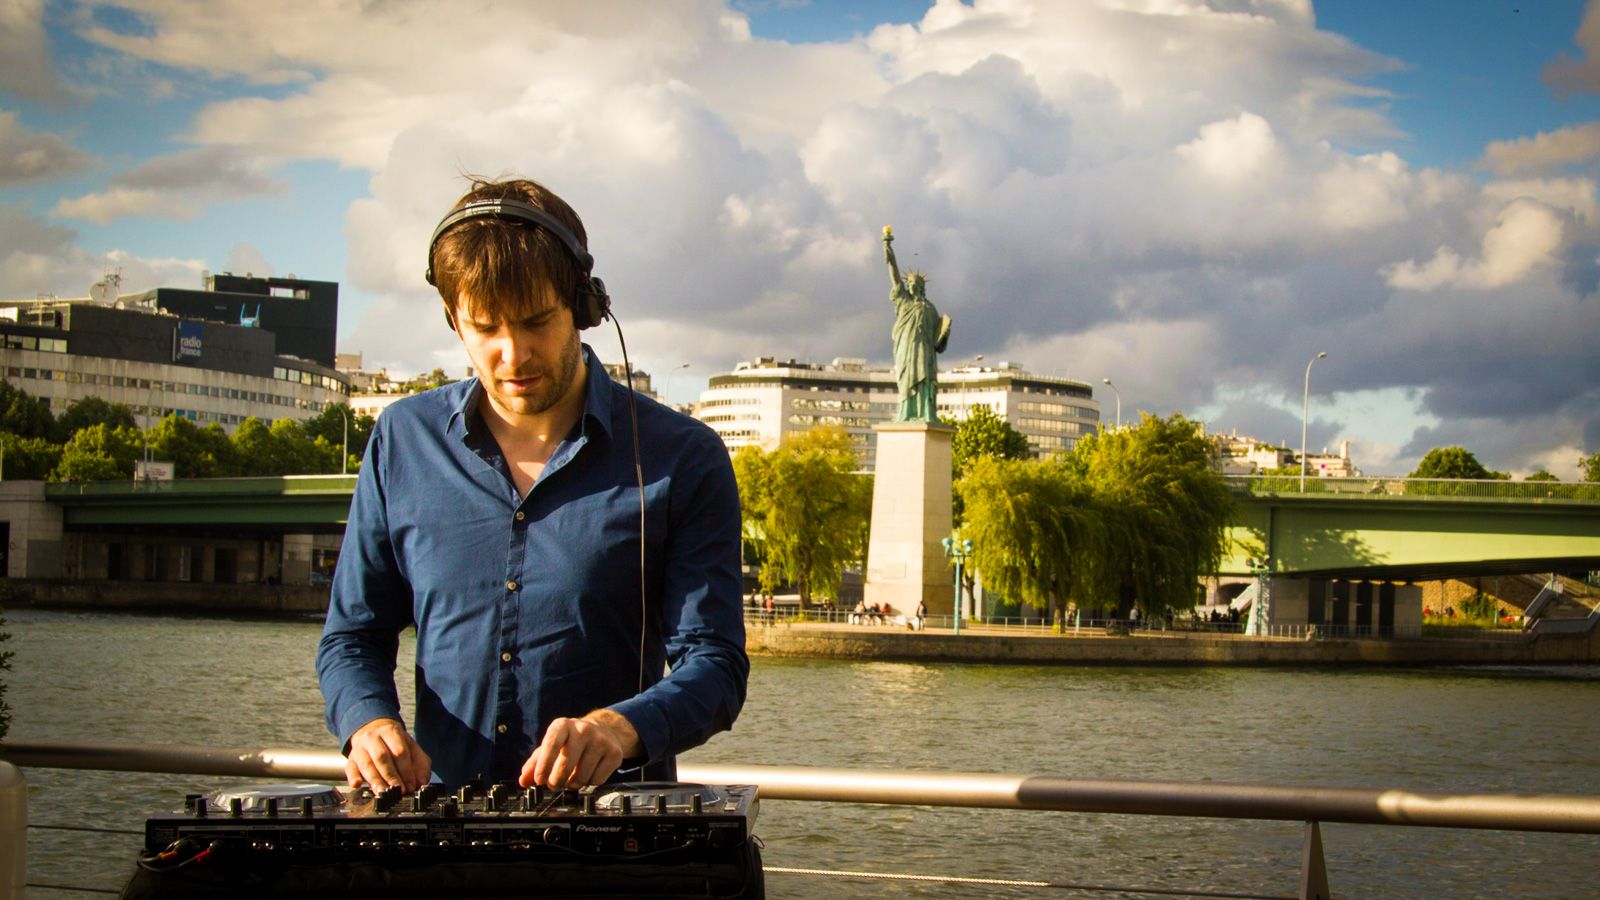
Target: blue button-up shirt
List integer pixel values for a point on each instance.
(529, 608)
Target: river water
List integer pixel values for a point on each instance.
(246, 683)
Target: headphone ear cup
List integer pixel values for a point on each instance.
(593, 305)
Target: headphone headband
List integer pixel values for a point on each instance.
(515, 210)
(590, 306)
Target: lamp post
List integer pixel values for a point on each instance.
(1305, 418)
(1119, 399)
(1262, 569)
(344, 447)
(666, 389)
(958, 550)
(966, 411)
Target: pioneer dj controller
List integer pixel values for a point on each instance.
(479, 840)
(656, 821)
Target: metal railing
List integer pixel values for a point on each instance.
(1399, 488)
(1560, 813)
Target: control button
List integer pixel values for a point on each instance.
(521, 515)
(505, 657)
(501, 728)
(511, 585)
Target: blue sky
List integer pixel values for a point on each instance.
(1192, 198)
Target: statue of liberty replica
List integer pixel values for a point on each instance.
(911, 492)
(920, 334)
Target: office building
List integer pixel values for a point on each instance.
(763, 400)
(211, 356)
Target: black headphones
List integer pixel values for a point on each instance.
(592, 305)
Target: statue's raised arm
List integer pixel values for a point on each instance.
(888, 257)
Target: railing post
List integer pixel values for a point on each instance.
(1313, 869)
(13, 832)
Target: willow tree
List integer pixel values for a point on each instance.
(807, 508)
(1165, 510)
(1034, 530)
(1131, 518)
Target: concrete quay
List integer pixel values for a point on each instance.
(1041, 646)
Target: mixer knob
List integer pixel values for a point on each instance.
(305, 807)
(588, 804)
(661, 804)
(695, 803)
(272, 807)
(490, 803)
(200, 807)
(449, 809)
(627, 804)
(552, 835)
(235, 806)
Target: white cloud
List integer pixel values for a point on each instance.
(1544, 152)
(1569, 75)
(1232, 149)
(1158, 190)
(25, 67)
(174, 186)
(1527, 236)
(27, 155)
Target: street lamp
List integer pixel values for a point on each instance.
(957, 550)
(1262, 569)
(1305, 419)
(344, 447)
(1119, 399)
(666, 389)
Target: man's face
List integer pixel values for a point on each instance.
(526, 367)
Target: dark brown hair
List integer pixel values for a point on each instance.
(507, 270)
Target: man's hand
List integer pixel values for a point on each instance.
(383, 755)
(577, 752)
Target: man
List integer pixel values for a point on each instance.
(503, 516)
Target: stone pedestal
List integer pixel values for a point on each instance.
(911, 515)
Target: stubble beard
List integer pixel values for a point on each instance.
(551, 390)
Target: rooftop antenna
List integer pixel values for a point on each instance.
(106, 289)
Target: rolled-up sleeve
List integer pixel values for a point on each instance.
(369, 605)
(701, 615)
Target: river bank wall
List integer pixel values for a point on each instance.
(164, 596)
(1162, 648)
(859, 642)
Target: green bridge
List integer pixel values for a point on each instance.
(1338, 527)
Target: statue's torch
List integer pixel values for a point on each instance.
(888, 235)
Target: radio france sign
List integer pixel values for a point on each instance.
(189, 343)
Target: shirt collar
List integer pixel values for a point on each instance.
(597, 400)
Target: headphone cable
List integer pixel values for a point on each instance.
(638, 471)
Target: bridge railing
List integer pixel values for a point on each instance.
(1385, 487)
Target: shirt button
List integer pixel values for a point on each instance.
(511, 585)
(500, 728)
(505, 657)
(521, 515)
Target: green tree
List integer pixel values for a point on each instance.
(1541, 475)
(984, 434)
(1134, 517)
(1166, 510)
(1036, 533)
(30, 458)
(329, 426)
(1454, 462)
(88, 411)
(99, 453)
(1450, 464)
(436, 378)
(255, 450)
(1590, 466)
(809, 507)
(25, 415)
(195, 452)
